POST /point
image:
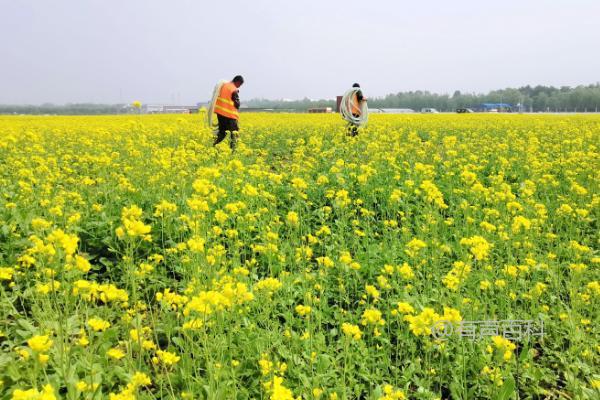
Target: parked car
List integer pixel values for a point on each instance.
(429, 111)
(464, 110)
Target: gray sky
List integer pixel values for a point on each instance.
(174, 51)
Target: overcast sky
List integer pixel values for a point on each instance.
(174, 51)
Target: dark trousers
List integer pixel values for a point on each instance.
(353, 129)
(227, 125)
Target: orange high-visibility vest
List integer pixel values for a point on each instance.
(355, 106)
(224, 105)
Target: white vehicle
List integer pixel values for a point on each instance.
(429, 111)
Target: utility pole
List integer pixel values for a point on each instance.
(521, 105)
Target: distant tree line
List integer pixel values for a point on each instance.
(530, 98)
(67, 109)
(537, 98)
(303, 104)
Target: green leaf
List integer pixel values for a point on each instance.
(457, 390)
(178, 342)
(5, 359)
(524, 353)
(507, 389)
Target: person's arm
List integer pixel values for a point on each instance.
(235, 97)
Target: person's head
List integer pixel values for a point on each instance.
(238, 80)
(356, 85)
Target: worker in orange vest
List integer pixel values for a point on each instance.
(227, 109)
(357, 100)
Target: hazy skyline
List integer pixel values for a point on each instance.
(174, 52)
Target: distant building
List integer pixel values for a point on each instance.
(152, 108)
(246, 109)
(321, 110)
(338, 103)
(391, 111)
(180, 109)
(494, 107)
(168, 109)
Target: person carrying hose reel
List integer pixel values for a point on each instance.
(226, 104)
(354, 109)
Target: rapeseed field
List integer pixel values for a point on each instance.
(138, 262)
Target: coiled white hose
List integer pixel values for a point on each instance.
(211, 106)
(346, 109)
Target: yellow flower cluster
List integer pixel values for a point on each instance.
(423, 323)
(98, 324)
(107, 293)
(303, 310)
(67, 242)
(211, 301)
(433, 194)
(47, 393)
(457, 274)
(138, 380)
(166, 358)
(133, 226)
(504, 346)
(269, 285)
(40, 343)
(352, 331)
(478, 246)
(392, 394)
